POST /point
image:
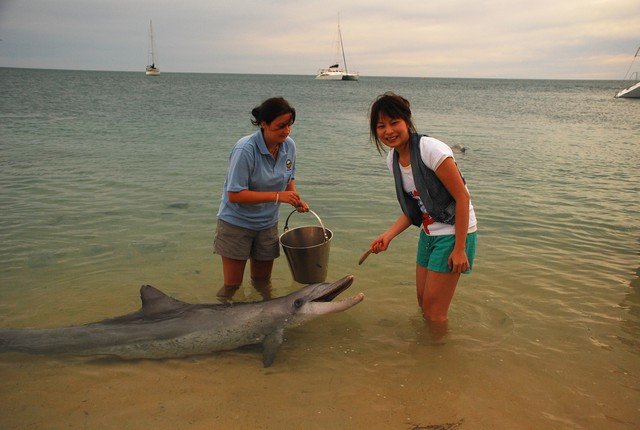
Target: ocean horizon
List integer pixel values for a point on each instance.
(112, 180)
(313, 74)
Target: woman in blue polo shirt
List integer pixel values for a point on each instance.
(261, 175)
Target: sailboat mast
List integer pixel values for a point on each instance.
(631, 65)
(344, 60)
(153, 48)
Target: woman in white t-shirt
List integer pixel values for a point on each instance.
(432, 195)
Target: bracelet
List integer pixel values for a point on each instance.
(277, 196)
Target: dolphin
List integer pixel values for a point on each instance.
(165, 327)
(460, 149)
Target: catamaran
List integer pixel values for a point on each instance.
(634, 90)
(152, 68)
(335, 72)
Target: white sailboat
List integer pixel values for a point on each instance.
(632, 91)
(152, 67)
(335, 72)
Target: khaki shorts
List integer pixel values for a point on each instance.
(241, 243)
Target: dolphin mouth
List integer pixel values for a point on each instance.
(325, 293)
(335, 289)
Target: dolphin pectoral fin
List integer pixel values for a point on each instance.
(270, 346)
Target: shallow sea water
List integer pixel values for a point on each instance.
(112, 180)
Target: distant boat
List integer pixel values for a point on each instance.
(335, 72)
(152, 68)
(634, 90)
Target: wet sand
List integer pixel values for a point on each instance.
(358, 369)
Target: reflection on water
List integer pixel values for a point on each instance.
(100, 197)
(263, 287)
(631, 303)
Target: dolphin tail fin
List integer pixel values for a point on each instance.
(270, 346)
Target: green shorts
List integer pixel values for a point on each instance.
(434, 251)
(241, 243)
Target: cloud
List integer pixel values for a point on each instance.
(455, 38)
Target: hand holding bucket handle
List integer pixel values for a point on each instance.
(324, 230)
(292, 198)
(307, 251)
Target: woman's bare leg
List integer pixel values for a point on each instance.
(232, 272)
(261, 277)
(437, 295)
(421, 282)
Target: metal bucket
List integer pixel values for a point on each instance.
(307, 251)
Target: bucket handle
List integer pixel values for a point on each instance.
(324, 230)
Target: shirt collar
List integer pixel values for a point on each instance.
(262, 145)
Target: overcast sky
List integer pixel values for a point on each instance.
(556, 39)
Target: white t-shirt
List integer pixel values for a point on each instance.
(433, 153)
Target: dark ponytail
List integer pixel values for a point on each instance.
(270, 109)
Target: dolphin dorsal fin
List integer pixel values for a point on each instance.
(155, 301)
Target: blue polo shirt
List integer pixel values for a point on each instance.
(251, 167)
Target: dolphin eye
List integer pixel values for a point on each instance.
(297, 303)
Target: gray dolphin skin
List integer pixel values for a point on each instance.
(460, 149)
(165, 327)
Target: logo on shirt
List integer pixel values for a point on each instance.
(427, 220)
(289, 164)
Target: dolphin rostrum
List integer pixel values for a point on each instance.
(165, 327)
